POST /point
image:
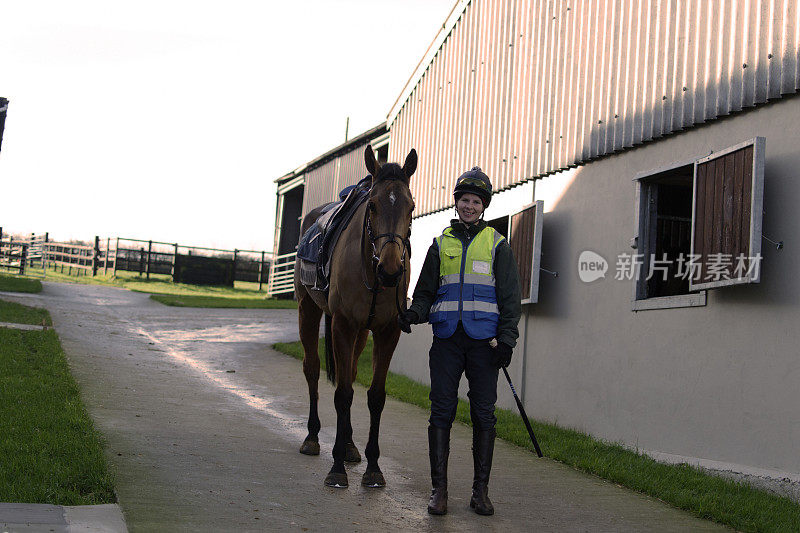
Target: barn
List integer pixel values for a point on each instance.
(310, 185)
(643, 166)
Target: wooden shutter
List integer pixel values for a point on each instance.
(525, 238)
(726, 216)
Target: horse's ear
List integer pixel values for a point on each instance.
(369, 159)
(411, 163)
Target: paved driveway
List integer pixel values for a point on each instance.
(203, 420)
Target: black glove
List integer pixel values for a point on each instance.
(501, 355)
(405, 319)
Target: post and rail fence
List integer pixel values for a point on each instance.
(36, 254)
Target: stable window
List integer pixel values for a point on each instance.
(499, 224)
(698, 226)
(525, 238)
(382, 155)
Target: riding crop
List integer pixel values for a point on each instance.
(493, 343)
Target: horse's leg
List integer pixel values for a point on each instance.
(310, 316)
(344, 337)
(361, 341)
(385, 343)
(351, 451)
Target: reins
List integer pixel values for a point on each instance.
(403, 243)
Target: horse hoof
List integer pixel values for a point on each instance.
(336, 480)
(373, 480)
(351, 454)
(309, 447)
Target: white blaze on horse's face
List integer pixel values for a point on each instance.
(390, 208)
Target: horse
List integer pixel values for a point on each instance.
(367, 286)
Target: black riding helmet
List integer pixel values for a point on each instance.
(476, 182)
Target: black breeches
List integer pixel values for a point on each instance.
(451, 357)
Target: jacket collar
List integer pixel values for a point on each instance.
(459, 229)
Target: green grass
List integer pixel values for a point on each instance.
(22, 314)
(190, 300)
(49, 449)
(11, 283)
(735, 504)
(242, 295)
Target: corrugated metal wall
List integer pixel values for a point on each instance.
(323, 183)
(528, 87)
(319, 185)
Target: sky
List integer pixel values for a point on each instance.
(170, 120)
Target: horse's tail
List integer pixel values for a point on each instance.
(330, 363)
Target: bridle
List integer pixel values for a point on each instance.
(402, 242)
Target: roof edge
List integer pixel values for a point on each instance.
(433, 49)
(344, 147)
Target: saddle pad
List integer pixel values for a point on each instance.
(309, 246)
(310, 242)
(308, 273)
(341, 218)
(318, 241)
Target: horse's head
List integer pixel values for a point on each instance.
(389, 214)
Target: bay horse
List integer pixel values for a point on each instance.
(368, 284)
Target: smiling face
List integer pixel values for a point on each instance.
(469, 207)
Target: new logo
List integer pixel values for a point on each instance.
(591, 266)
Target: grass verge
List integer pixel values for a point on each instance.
(735, 504)
(190, 300)
(49, 449)
(19, 284)
(243, 295)
(22, 314)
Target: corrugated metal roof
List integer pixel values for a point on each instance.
(351, 144)
(526, 88)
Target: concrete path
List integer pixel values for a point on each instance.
(27, 327)
(61, 519)
(203, 421)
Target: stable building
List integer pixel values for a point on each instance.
(644, 163)
(313, 184)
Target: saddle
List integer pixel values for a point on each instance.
(317, 243)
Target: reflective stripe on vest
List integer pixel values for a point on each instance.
(466, 286)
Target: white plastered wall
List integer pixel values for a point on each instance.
(718, 384)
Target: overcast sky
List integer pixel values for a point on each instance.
(169, 120)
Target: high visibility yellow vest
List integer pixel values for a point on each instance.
(466, 286)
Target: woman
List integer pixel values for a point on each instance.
(469, 291)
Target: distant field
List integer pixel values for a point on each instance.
(243, 295)
(190, 300)
(160, 284)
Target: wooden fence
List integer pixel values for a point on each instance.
(156, 257)
(36, 254)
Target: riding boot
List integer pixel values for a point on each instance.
(439, 450)
(482, 450)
